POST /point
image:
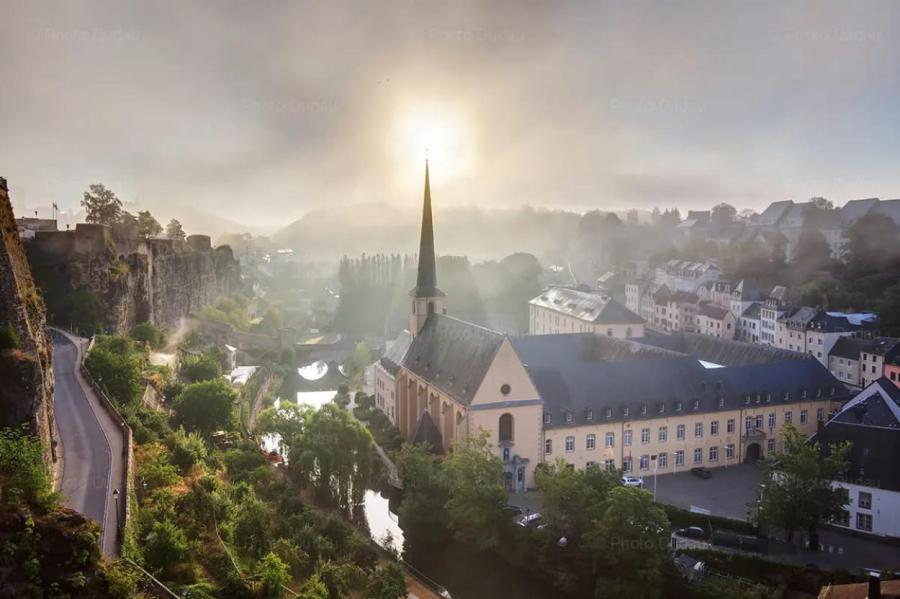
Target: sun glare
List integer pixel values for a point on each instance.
(438, 133)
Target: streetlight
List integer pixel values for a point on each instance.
(118, 522)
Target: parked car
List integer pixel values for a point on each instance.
(701, 472)
(692, 532)
(532, 520)
(633, 481)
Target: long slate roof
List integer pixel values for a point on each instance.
(393, 357)
(876, 405)
(713, 311)
(726, 352)
(598, 384)
(453, 355)
(589, 307)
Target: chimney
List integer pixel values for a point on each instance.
(874, 585)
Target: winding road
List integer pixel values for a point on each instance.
(91, 440)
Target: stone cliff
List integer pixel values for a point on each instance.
(94, 280)
(26, 373)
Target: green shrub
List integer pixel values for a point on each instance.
(119, 372)
(206, 406)
(148, 333)
(200, 368)
(9, 338)
(681, 518)
(186, 449)
(23, 476)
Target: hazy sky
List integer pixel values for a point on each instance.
(260, 110)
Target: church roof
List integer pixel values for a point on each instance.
(590, 307)
(393, 357)
(427, 433)
(453, 355)
(426, 278)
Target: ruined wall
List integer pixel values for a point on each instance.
(134, 280)
(26, 373)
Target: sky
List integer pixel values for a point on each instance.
(262, 110)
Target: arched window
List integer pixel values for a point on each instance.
(506, 428)
(431, 307)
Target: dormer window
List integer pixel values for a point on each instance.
(546, 418)
(747, 399)
(609, 412)
(696, 404)
(786, 396)
(568, 416)
(643, 409)
(625, 411)
(802, 393)
(833, 390)
(819, 392)
(678, 406)
(661, 408)
(759, 398)
(721, 402)
(589, 415)
(768, 397)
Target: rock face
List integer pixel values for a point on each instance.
(130, 280)
(26, 374)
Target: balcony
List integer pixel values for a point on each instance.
(754, 434)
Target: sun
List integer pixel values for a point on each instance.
(437, 132)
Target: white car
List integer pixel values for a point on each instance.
(633, 481)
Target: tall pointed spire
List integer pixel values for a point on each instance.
(426, 279)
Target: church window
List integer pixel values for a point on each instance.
(505, 389)
(506, 428)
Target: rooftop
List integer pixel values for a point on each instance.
(588, 307)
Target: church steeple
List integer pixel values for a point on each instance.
(427, 298)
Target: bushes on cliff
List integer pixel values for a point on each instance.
(195, 369)
(147, 332)
(119, 372)
(23, 477)
(205, 406)
(9, 338)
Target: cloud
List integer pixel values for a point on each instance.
(262, 111)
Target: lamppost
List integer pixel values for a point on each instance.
(118, 518)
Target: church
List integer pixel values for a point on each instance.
(653, 404)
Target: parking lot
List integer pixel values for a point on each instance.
(725, 494)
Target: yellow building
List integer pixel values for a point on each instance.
(663, 403)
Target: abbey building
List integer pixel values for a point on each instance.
(662, 403)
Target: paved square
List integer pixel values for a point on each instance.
(726, 494)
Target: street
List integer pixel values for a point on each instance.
(91, 443)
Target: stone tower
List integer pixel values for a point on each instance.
(425, 297)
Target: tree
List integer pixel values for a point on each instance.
(200, 368)
(629, 544)
(166, 544)
(253, 526)
(24, 479)
(288, 421)
(147, 332)
(101, 205)
(889, 311)
(315, 589)
(333, 455)
(387, 582)
(174, 231)
(362, 357)
(799, 495)
(473, 477)
(205, 406)
(422, 514)
(147, 225)
(186, 449)
(873, 243)
(821, 203)
(812, 252)
(273, 575)
(723, 214)
(117, 372)
(571, 500)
